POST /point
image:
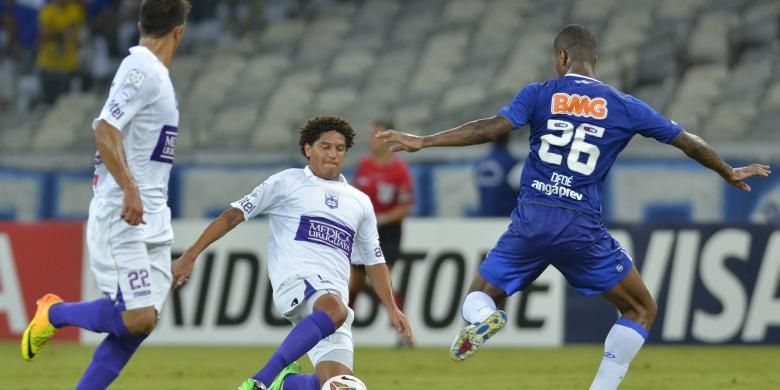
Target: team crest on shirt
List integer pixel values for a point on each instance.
(331, 201)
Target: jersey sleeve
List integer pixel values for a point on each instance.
(368, 251)
(521, 108)
(263, 198)
(649, 123)
(133, 90)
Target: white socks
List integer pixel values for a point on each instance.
(623, 343)
(477, 307)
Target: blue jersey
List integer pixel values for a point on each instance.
(578, 127)
(497, 197)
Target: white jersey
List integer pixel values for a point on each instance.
(142, 105)
(318, 227)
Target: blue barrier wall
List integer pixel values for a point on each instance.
(670, 191)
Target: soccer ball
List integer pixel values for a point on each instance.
(344, 382)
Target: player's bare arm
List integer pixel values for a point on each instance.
(109, 144)
(475, 132)
(696, 148)
(182, 267)
(380, 277)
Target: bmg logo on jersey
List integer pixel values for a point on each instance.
(323, 231)
(580, 106)
(165, 150)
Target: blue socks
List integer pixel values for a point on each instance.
(108, 360)
(300, 340)
(100, 316)
(302, 382)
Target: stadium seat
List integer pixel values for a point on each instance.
(759, 24)
(283, 33)
(709, 40)
(462, 11)
(67, 123)
(352, 64)
(657, 60)
(730, 121)
(591, 12)
(675, 10)
(216, 188)
(412, 117)
(459, 97)
(231, 126)
(334, 100)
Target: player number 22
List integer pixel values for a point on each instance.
(578, 146)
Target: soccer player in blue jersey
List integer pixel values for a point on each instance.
(578, 127)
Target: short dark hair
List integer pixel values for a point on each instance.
(159, 17)
(314, 127)
(383, 123)
(578, 42)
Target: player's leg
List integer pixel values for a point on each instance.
(113, 353)
(108, 239)
(594, 263)
(326, 311)
(512, 264)
(638, 310)
(331, 357)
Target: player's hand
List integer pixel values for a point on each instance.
(401, 141)
(182, 269)
(736, 175)
(133, 209)
(401, 324)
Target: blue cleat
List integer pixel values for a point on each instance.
(472, 336)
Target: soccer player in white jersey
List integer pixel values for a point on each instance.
(319, 226)
(128, 232)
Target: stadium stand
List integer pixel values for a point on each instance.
(244, 89)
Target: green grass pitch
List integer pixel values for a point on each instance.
(212, 368)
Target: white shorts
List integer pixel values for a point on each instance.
(132, 264)
(295, 299)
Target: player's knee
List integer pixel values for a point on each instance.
(643, 313)
(338, 314)
(140, 321)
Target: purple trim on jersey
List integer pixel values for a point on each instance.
(165, 150)
(323, 231)
(309, 291)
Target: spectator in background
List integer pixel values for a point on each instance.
(7, 52)
(18, 42)
(385, 178)
(58, 53)
(103, 20)
(497, 180)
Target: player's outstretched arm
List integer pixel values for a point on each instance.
(383, 287)
(108, 140)
(182, 267)
(475, 132)
(695, 148)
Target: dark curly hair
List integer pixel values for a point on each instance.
(314, 127)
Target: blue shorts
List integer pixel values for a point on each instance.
(577, 244)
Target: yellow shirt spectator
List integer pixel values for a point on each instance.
(60, 22)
